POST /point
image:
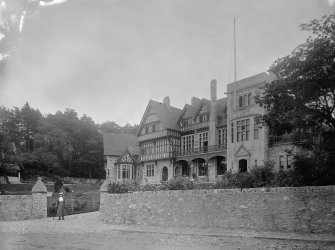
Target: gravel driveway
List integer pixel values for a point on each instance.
(86, 231)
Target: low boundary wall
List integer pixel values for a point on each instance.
(298, 209)
(23, 207)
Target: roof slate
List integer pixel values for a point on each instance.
(167, 115)
(117, 143)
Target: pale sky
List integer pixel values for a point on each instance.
(107, 58)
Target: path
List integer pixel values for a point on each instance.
(86, 231)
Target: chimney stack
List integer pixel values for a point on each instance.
(213, 90)
(166, 101)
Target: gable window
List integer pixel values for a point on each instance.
(150, 170)
(186, 122)
(244, 100)
(203, 118)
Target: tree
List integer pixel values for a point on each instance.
(301, 99)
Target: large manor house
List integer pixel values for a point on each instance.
(201, 141)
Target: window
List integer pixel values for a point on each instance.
(107, 172)
(118, 172)
(203, 118)
(148, 148)
(256, 163)
(187, 143)
(150, 169)
(221, 166)
(242, 130)
(186, 122)
(222, 138)
(289, 161)
(202, 169)
(256, 127)
(232, 132)
(244, 100)
(281, 162)
(203, 139)
(124, 172)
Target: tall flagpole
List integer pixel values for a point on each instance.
(235, 87)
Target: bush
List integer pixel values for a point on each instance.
(284, 179)
(178, 184)
(263, 175)
(117, 188)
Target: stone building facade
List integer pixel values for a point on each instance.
(200, 141)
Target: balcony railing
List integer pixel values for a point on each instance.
(195, 126)
(203, 150)
(158, 156)
(153, 135)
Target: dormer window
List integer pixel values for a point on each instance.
(244, 100)
(186, 122)
(203, 118)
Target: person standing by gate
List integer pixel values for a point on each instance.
(61, 212)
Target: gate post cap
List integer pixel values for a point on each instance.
(104, 186)
(39, 187)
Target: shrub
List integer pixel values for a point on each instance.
(80, 205)
(179, 184)
(284, 179)
(235, 180)
(131, 185)
(263, 175)
(117, 188)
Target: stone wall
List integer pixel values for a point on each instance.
(23, 207)
(15, 207)
(305, 209)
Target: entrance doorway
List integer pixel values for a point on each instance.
(243, 165)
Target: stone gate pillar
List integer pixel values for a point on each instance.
(39, 193)
(103, 198)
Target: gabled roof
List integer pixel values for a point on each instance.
(167, 115)
(204, 101)
(126, 157)
(117, 143)
(187, 109)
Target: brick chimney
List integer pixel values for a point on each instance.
(166, 101)
(213, 90)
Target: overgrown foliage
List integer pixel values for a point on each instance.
(301, 101)
(178, 184)
(60, 144)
